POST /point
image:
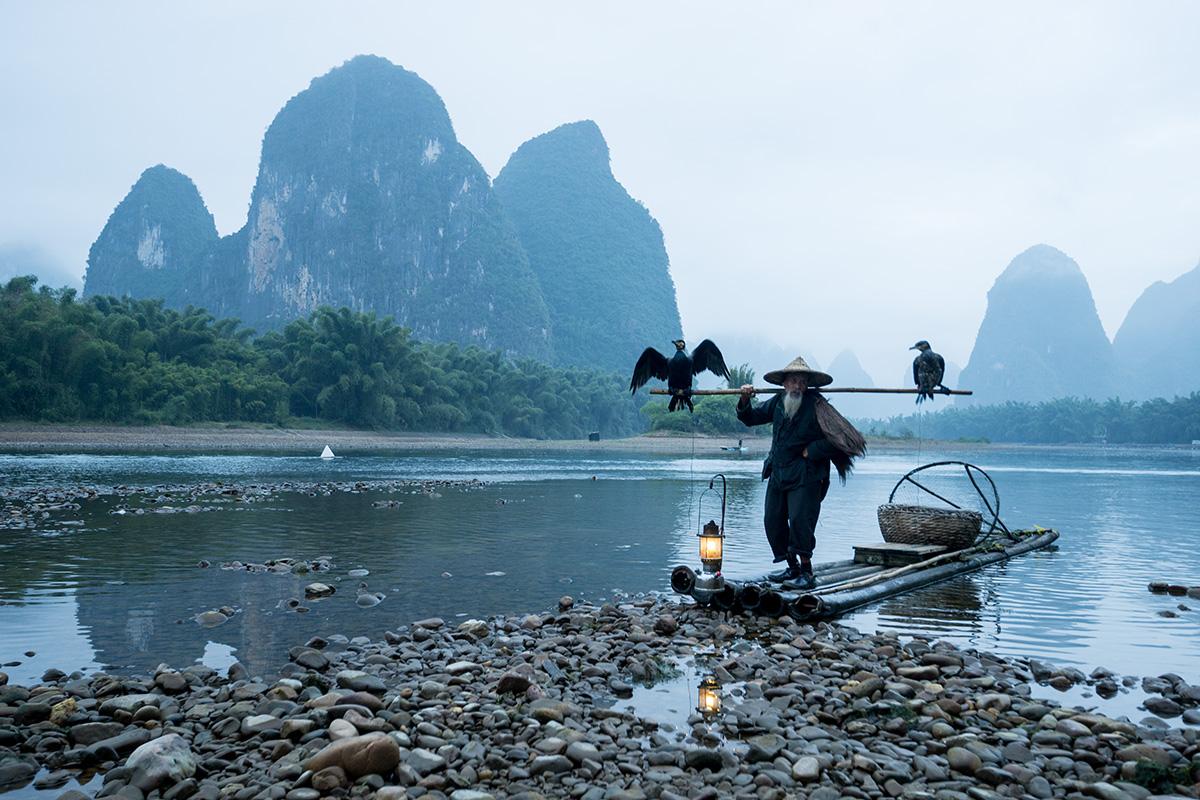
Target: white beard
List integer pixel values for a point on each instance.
(791, 403)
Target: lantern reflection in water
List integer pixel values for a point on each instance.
(708, 701)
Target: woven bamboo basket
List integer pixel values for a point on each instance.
(953, 528)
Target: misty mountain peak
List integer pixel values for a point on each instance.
(597, 253)
(1041, 337)
(1158, 345)
(575, 146)
(848, 371)
(366, 199)
(161, 225)
(1041, 263)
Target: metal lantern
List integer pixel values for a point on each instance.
(712, 546)
(708, 697)
(711, 540)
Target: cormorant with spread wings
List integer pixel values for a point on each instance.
(679, 370)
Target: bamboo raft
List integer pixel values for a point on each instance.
(875, 573)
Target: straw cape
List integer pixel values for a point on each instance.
(814, 378)
(848, 443)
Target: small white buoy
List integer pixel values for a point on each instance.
(326, 453)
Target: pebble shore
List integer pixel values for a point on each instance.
(527, 707)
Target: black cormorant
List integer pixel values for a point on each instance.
(678, 371)
(928, 370)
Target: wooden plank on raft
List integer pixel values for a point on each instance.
(895, 555)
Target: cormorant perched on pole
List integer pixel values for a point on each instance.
(679, 370)
(928, 370)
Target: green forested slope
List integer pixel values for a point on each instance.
(123, 360)
(597, 252)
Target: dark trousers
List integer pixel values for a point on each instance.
(791, 518)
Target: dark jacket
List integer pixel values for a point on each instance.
(785, 465)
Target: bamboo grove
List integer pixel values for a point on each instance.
(120, 360)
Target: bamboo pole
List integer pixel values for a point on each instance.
(823, 390)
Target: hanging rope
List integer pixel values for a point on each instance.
(692, 468)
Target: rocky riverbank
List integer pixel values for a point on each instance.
(524, 707)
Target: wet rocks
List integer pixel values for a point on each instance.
(161, 762)
(963, 760)
(16, 772)
(309, 658)
(806, 769)
(329, 779)
(211, 618)
(359, 681)
(553, 764)
(91, 732)
(513, 683)
(318, 590)
(365, 599)
(372, 753)
(507, 707)
(699, 758)
(1163, 706)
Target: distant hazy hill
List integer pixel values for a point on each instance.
(762, 355)
(1158, 345)
(597, 252)
(847, 371)
(1041, 337)
(364, 199)
(153, 239)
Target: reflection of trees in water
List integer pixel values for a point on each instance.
(145, 623)
(614, 534)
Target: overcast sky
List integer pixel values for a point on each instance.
(826, 175)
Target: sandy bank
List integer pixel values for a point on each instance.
(24, 437)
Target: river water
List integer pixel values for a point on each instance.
(89, 589)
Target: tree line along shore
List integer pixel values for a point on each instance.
(121, 361)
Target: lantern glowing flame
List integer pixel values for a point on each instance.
(708, 701)
(712, 539)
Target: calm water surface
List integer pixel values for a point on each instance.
(91, 590)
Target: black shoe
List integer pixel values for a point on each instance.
(803, 582)
(786, 574)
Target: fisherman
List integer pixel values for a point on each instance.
(807, 435)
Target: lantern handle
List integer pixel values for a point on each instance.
(700, 502)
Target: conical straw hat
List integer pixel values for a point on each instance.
(813, 378)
